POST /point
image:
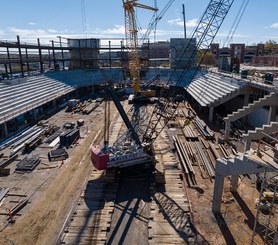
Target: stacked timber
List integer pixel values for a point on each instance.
(90, 219)
(188, 113)
(169, 221)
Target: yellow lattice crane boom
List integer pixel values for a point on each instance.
(132, 40)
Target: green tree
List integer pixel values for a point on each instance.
(271, 47)
(206, 59)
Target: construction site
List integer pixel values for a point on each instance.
(127, 141)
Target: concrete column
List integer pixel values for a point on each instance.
(54, 103)
(217, 193)
(227, 130)
(271, 114)
(211, 114)
(5, 130)
(35, 114)
(247, 145)
(245, 102)
(246, 99)
(234, 183)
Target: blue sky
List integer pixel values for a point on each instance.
(32, 19)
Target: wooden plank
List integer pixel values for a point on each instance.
(88, 230)
(90, 220)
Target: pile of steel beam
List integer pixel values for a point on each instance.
(53, 137)
(67, 138)
(3, 192)
(204, 129)
(29, 138)
(6, 162)
(28, 164)
(17, 137)
(58, 155)
(188, 131)
(185, 159)
(205, 161)
(88, 109)
(226, 153)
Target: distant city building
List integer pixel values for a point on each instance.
(237, 50)
(158, 50)
(84, 53)
(157, 53)
(271, 60)
(179, 57)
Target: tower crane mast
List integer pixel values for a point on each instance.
(132, 40)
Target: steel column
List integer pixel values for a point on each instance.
(20, 56)
(40, 56)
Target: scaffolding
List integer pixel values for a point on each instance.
(266, 221)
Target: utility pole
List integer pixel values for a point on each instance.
(184, 22)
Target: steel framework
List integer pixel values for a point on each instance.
(266, 221)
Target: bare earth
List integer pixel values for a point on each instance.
(42, 223)
(46, 213)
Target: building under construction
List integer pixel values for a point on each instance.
(125, 143)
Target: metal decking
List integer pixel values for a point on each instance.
(19, 98)
(210, 90)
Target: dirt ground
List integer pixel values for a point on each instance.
(234, 225)
(45, 215)
(47, 212)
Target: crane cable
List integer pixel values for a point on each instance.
(236, 23)
(155, 19)
(83, 15)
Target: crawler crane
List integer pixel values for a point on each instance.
(164, 109)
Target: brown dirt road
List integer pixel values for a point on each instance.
(41, 225)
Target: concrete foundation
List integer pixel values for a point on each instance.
(234, 167)
(272, 114)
